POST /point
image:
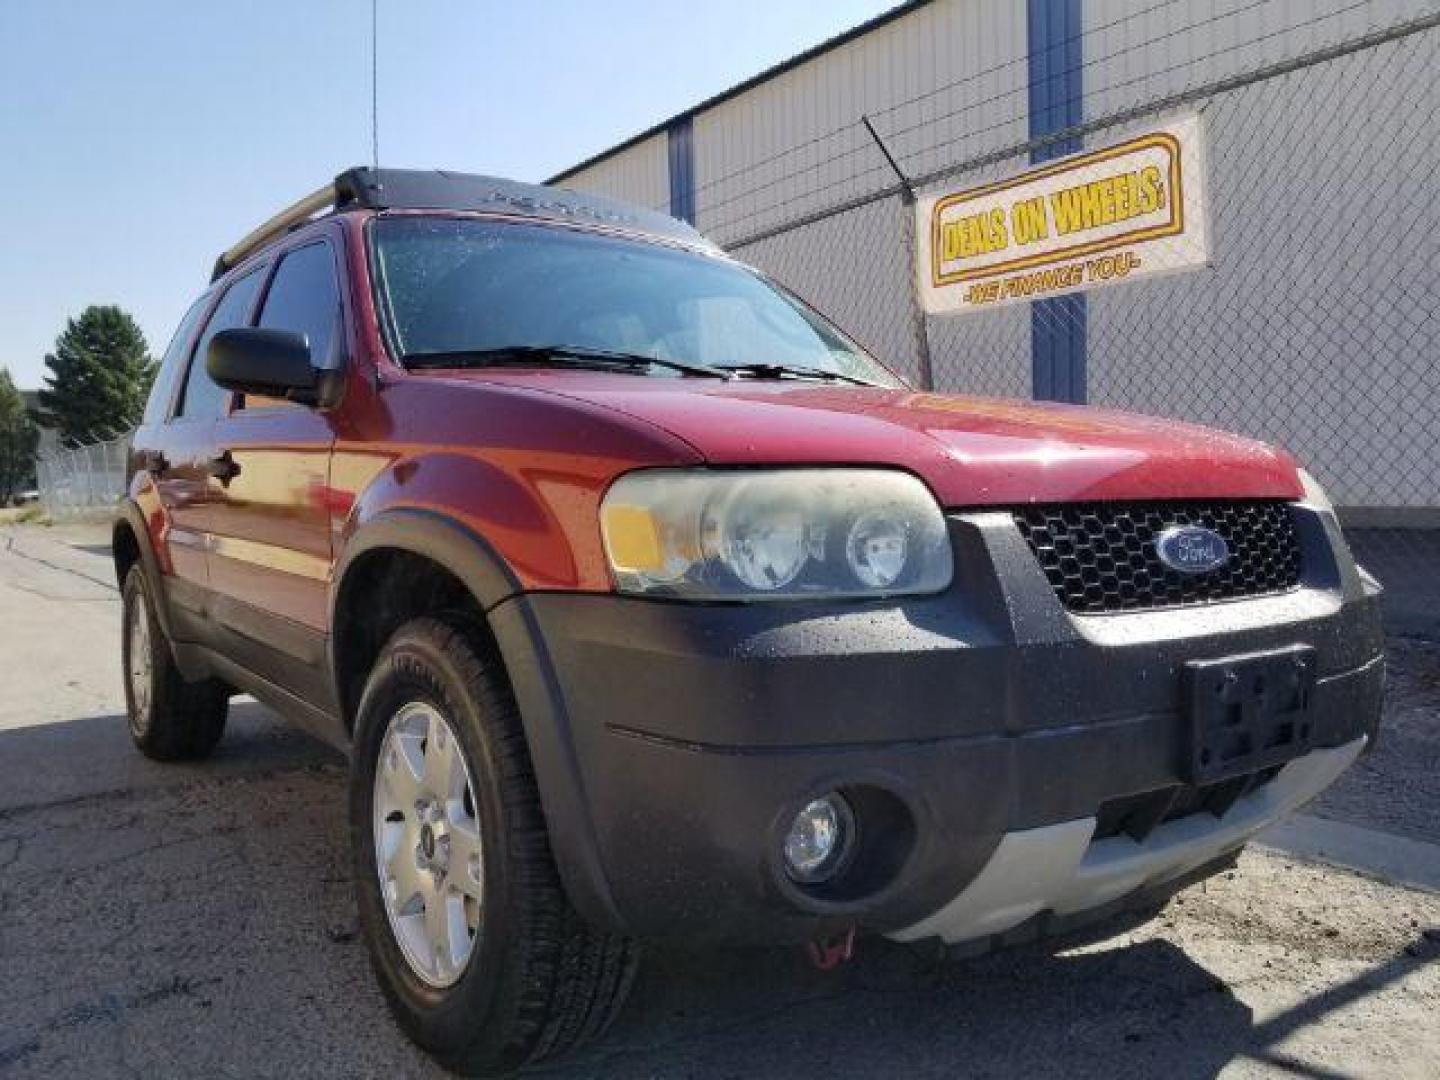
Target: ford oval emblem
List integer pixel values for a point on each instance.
(1192, 549)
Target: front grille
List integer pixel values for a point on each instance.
(1100, 557)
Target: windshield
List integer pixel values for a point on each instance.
(455, 285)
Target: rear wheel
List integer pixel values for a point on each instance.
(170, 719)
(483, 960)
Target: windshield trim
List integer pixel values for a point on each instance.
(384, 315)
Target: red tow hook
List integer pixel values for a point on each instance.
(829, 953)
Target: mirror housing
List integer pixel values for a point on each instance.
(271, 363)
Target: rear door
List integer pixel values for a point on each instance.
(181, 463)
(270, 518)
(182, 564)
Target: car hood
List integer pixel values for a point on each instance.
(972, 451)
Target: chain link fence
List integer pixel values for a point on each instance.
(83, 481)
(1315, 323)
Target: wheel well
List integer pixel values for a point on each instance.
(383, 590)
(125, 550)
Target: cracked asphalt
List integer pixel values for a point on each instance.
(163, 921)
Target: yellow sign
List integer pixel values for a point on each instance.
(1116, 214)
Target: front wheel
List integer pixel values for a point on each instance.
(483, 960)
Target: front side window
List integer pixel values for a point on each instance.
(305, 299)
(472, 286)
(203, 399)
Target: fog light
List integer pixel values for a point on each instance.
(819, 839)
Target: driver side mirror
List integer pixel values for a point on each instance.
(269, 363)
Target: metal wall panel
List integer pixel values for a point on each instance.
(943, 83)
(1311, 328)
(853, 268)
(1138, 51)
(639, 175)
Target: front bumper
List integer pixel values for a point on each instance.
(1061, 869)
(674, 742)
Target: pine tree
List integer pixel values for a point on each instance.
(100, 374)
(18, 436)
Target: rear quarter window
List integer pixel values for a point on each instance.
(172, 364)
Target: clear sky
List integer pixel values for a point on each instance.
(139, 138)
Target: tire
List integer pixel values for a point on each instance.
(536, 980)
(170, 719)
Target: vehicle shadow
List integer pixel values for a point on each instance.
(199, 919)
(76, 759)
(105, 551)
(1140, 1009)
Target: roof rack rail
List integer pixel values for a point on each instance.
(296, 213)
(386, 189)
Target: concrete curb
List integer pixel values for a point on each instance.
(1398, 860)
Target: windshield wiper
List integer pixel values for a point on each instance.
(784, 371)
(568, 355)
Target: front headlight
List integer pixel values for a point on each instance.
(774, 534)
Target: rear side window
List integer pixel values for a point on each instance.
(202, 397)
(172, 366)
(304, 298)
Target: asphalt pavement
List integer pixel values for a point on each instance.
(163, 921)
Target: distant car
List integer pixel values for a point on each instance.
(649, 607)
(25, 498)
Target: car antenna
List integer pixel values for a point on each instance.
(375, 83)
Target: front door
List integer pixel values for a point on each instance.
(270, 523)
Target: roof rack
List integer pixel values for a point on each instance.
(411, 189)
(297, 213)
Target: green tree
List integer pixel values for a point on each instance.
(100, 374)
(18, 436)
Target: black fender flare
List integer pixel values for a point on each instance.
(129, 514)
(437, 537)
(471, 560)
(434, 536)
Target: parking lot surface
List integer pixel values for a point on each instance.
(184, 920)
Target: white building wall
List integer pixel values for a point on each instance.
(852, 268)
(1138, 51)
(640, 174)
(933, 83)
(943, 83)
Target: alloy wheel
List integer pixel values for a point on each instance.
(428, 852)
(138, 666)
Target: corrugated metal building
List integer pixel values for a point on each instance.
(1315, 324)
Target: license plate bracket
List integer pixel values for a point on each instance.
(1247, 713)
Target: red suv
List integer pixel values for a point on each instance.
(648, 606)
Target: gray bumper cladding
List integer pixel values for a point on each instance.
(1056, 868)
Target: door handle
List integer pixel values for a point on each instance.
(223, 467)
(153, 461)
